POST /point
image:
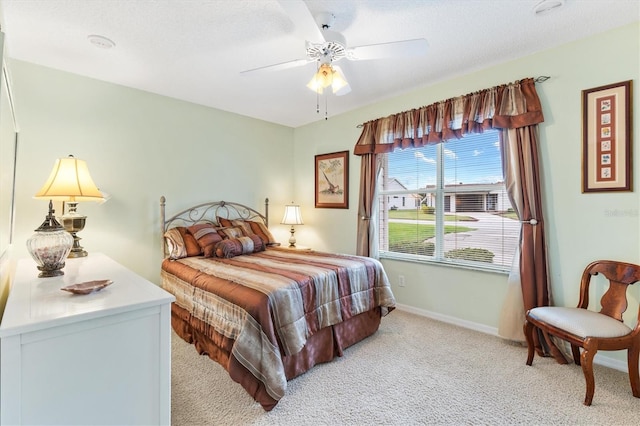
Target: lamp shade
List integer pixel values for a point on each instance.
(339, 84)
(329, 76)
(70, 181)
(292, 215)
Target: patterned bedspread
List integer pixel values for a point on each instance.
(271, 302)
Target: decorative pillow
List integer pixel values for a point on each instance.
(180, 243)
(175, 244)
(206, 236)
(236, 246)
(263, 232)
(251, 227)
(232, 232)
(224, 222)
(246, 229)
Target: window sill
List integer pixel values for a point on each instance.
(446, 263)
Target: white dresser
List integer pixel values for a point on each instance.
(100, 358)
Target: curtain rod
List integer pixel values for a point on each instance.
(540, 79)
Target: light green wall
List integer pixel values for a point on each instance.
(579, 226)
(139, 146)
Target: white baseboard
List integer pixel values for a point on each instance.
(616, 364)
(448, 319)
(598, 359)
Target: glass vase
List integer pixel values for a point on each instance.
(49, 246)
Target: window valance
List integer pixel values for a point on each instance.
(507, 106)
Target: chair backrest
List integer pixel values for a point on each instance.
(620, 275)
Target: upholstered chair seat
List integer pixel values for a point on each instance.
(589, 331)
(580, 322)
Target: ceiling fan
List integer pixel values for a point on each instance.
(325, 47)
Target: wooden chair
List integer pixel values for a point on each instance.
(593, 331)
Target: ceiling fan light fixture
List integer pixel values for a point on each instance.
(327, 76)
(315, 85)
(321, 79)
(339, 83)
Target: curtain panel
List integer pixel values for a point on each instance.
(515, 109)
(370, 167)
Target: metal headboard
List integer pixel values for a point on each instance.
(208, 213)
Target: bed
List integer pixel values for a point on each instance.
(265, 312)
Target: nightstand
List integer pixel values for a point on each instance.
(103, 357)
(297, 247)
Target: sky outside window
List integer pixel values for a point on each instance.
(475, 159)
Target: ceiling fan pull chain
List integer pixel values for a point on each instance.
(317, 92)
(326, 115)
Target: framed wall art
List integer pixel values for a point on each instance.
(606, 138)
(332, 180)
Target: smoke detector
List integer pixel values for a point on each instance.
(547, 6)
(100, 41)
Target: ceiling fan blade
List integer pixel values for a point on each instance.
(305, 24)
(277, 67)
(394, 49)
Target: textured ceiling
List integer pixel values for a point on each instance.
(194, 50)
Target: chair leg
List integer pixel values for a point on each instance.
(528, 334)
(633, 356)
(587, 368)
(576, 354)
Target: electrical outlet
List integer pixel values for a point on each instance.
(401, 280)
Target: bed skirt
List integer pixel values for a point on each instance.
(323, 346)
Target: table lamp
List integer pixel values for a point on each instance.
(71, 182)
(292, 216)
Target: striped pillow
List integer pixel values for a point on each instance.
(251, 227)
(236, 246)
(181, 243)
(175, 244)
(206, 236)
(246, 229)
(263, 232)
(232, 232)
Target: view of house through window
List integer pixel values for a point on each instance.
(448, 202)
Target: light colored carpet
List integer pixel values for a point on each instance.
(412, 371)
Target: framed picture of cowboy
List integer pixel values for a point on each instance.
(332, 180)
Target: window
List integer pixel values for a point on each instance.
(460, 213)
